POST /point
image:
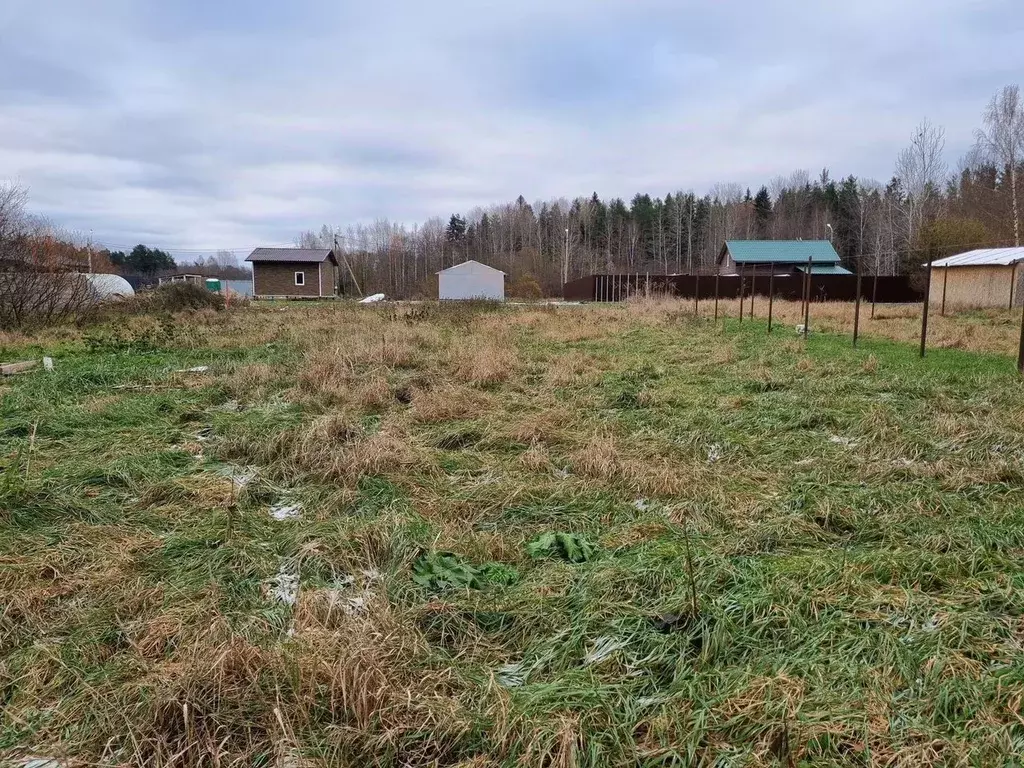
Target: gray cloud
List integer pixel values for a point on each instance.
(198, 125)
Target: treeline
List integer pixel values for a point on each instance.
(925, 208)
(153, 262)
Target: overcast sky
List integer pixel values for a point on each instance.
(206, 124)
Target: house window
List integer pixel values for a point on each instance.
(300, 278)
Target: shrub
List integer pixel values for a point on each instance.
(175, 297)
(526, 287)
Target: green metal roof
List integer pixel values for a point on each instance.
(780, 251)
(823, 269)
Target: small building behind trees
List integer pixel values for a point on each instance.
(294, 273)
(781, 257)
(987, 277)
(471, 280)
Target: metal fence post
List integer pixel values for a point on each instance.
(807, 298)
(1020, 352)
(771, 294)
(743, 287)
(945, 282)
(874, 289)
(696, 297)
(753, 290)
(924, 307)
(856, 308)
(716, 296)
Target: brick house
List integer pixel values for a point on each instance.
(294, 273)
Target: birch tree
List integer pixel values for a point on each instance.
(921, 169)
(1002, 141)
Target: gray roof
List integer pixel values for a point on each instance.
(983, 257)
(472, 264)
(305, 255)
(780, 251)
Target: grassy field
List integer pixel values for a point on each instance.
(579, 536)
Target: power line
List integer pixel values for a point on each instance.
(126, 246)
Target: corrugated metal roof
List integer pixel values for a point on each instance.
(983, 257)
(781, 251)
(823, 269)
(290, 254)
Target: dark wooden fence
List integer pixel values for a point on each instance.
(890, 290)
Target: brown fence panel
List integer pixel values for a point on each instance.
(891, 290)
(580, 290)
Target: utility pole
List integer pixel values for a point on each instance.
(90, 251)
(347, 266)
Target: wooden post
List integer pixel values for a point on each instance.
(945, 283)
(648, 283)
(771, 294)
(924, 308)
(856, 308)
(696, 297)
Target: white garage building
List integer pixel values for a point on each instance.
(471, 280)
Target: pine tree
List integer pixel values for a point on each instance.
(762, 212)
(456, 230)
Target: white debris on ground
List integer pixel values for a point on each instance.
(512, 675)
(284, 587)
(373, 299)
(354, 606)
(42, 762)
(603, 648)
(231, 406)
(714, 453)
(371, 574)
(561, 474)
(286, 511)
(241, 476)
(801, 328)
(642, 505)
(846, 442)
(194, 369)
(650, 701)
(48, 363)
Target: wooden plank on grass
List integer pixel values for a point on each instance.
(9, 369)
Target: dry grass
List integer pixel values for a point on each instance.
(846, 522)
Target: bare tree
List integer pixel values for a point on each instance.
(12, 210)
(1002, 140)
(38, 280)
(922, 170)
